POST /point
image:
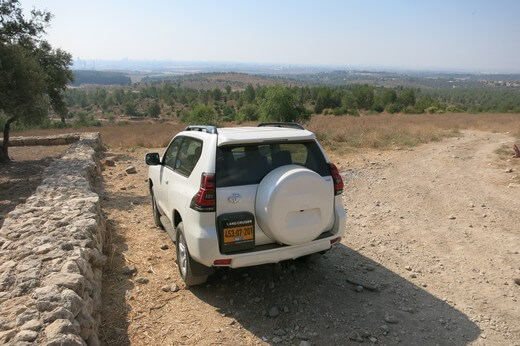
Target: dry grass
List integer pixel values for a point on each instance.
(345, 132)
(148, 135)
(386, 131)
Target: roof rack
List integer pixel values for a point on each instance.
(281, 124)
(208, 129)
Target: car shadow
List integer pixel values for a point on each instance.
(323, 302)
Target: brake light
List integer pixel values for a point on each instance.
(204, 199)
(336, 177)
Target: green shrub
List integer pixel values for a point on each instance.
(411, 110)
(378, 108)
(432, 109)
(85, 120)
(248, 112)
(339, 111)
(130, 109)
(60, 125)
(393, 108)
(201, 115)
(154, 110)
(109, 116)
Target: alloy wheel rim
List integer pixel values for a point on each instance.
(183, 256)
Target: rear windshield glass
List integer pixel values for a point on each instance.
(246, 164)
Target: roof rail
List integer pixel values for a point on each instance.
(282, 124)
(202, 128)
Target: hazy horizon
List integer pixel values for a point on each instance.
(466, 36)
(237, 66)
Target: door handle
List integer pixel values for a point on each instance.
(166, 182)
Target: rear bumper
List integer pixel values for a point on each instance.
(204, 248)
(279, 254)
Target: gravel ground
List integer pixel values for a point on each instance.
(430, 257)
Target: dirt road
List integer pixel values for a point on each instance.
(433, 236)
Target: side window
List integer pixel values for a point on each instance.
(189, 154)
(171, 153)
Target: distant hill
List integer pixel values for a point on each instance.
(240, 80)
(423, 80)
(100, 78)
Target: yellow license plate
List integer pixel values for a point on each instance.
(238, 234)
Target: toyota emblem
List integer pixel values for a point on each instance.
(234, 198)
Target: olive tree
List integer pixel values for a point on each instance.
(33, 75)
(280, 104)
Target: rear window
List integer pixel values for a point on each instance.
(246, 164)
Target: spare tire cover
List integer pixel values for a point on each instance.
(294, 205)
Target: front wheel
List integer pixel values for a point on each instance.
(184, 260)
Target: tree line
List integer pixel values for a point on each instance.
(285, 103)
(100, 78)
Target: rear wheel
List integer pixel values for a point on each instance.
(156, 213)
(185, 262)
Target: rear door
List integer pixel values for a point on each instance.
(241, 167)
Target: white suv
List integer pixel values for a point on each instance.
(243, 196)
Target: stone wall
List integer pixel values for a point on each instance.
(51, 255)
(63, 139)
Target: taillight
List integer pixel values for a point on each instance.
(204, 199)
(336, 178)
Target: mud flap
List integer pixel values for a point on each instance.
(198, 269)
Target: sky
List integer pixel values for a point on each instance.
(444, 35)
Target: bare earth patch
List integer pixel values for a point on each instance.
(22, 175)
(432, 238)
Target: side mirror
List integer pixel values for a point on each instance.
(153, 159)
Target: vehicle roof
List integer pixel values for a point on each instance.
(237, 135)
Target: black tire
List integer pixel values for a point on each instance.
(184, 260)
(156, 213)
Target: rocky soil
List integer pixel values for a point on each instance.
(430, 257)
